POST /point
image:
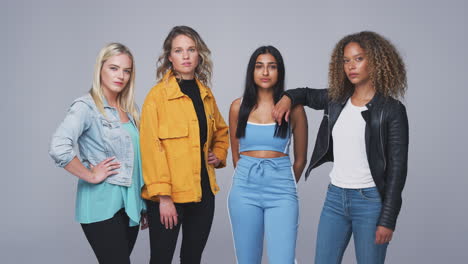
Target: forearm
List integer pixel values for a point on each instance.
(298, 168)
(77, 168)
(313, 98)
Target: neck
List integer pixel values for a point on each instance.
(111, 98)
(264, 95)
(365, 91)
(189, 76)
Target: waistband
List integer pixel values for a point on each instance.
(257, 165)
(352, 189)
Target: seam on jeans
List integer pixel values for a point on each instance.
(229, 213)
(294, 178)
(368, 198)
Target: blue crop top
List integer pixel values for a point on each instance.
(262, 137)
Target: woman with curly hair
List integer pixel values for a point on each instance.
(183, 139)
(364, 131)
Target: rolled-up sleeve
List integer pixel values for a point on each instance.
(62, 144)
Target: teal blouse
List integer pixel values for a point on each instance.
(103, 200)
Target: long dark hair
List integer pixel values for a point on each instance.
(249, 101)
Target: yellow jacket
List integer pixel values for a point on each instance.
(170, 142)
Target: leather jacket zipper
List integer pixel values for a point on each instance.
(381, 139)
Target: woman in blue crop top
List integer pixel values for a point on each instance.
(263, 197)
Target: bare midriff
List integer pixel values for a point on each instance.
(263, 154)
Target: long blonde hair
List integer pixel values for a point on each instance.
(205, 66)
(126, 98)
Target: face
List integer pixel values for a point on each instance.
(266, 71)
(355, 64)
(184, 56)
(115, 73)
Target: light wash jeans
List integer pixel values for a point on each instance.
(346, 212)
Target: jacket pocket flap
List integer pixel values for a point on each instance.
(177, 131)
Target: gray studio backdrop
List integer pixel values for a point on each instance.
(50, 48)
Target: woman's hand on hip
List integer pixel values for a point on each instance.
(212, 159)
(281, 108)
(103, 170)
(383, 235)
(167, 212)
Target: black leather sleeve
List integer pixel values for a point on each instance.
(397, 164)
(313, 98)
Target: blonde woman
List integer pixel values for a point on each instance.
(183, 139)
(104, 125)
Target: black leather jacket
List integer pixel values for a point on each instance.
(386, 139)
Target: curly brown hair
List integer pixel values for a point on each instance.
(205, 66)
(387, 69)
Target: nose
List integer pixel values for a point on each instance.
(185, 55)
(120, 74)
(351, 65)
(265, 71)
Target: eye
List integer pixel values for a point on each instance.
(192, 50)
(345, 61)
(258, 66)
(177, 51)
(128, 71)
(113, 68)
(359, 58)
(273, 67)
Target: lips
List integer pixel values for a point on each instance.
(265, 80)
(352, 75)
(119, 83)
(186, 64)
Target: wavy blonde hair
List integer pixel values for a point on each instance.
(386, 67)
(126, 98)
(204, 69)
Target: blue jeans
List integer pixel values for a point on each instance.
(263, 203)
(346, 212)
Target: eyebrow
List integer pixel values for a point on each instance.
(271, 62)
(119, 66)
(191, 47)
(359, 54)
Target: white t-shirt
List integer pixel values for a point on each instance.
(350, 168)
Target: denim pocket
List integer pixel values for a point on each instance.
(370, 194)
(111, 129)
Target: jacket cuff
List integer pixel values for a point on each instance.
(387, 224)
(156, 189)
(286, 93)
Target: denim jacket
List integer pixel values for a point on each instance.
(98, 137)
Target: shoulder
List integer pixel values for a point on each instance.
(83, 103)
(395, 109)
(156, 94)
(298, 114)
(394, 104)
(297, 110)
(235, 105)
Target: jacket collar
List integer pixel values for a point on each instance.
(374, 101)
(173, 88)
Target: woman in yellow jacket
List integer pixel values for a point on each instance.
(183, 138)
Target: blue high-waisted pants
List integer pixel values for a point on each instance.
(263, 202)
